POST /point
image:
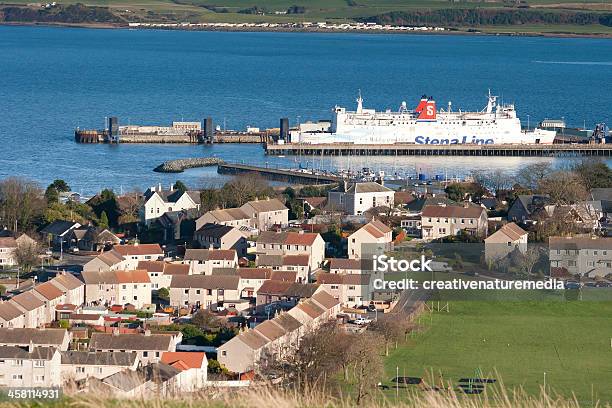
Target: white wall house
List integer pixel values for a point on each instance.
(372, 238)
(159, 201)
(203, 261)
(266, 213)
(360, 197)
(586, 256)
(448, 220)
(29, 366)
(293, 243)
(117, 288)
(505, 240)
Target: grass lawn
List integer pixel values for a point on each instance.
(519, 341)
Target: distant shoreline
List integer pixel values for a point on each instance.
(311, 30)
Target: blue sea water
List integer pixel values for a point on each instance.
(55, 79)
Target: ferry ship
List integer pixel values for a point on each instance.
(425, 124)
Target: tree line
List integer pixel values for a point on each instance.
(488, 16)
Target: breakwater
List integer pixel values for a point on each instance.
(180, 165)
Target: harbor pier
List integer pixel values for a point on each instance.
(512, 150)
(291, 176)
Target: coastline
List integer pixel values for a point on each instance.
(318, 30)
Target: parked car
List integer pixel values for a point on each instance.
(360, 321)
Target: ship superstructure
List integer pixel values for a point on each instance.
(425, 124)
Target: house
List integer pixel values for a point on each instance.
(505, 240)
(411, 224)
(284, 293)
(293, 243)
(149, 347)
(72, 287)
(32, 307)
(106, 261)
(29, 366)
(193, 364)
(132, 254)
(231, 217)
(55, 338)
(299, 263)
(351, 290)
(8, 249)
(59, 233)
(177, 225)
(523, 208)
(117, 287)
(160, 272)
(585, 256)
(347, 266)
(88, 238)
(202, 261)
(123, 384)
(266, 213)
(217, 236)
(360, 197)
(370, 239)
(159, 201)
(251, 280)
(279, 337)
(52, 296)
(11, 316)
(79, 365)
(443, 221)
(204, 290)
(165, 380)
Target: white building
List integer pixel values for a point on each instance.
(232, 217)
(586, 256)
(217, 236)
(29, 366)
(266, 213)
(117, 288)
(505, 240)
(372, 238)
(159, 201)
(203, 261)
(79, 365)
(149, 347)
(8, 247)
(293, 243)
(204, 290)
(360, 197)
(449, 220)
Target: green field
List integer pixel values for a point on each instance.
(315, 10)
(516, 342)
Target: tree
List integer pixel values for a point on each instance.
(563, 187)
(531, 175)
(103, 220)
(21, 203)
(180, 186)
(455, 192)
(51, 195)
(594, 174)
(26, 255)
(206, 321)
(2, 290)
(106, 201)
(163, 293)
(389, 328)
(528, 260)
(60, 185)
(367, 364)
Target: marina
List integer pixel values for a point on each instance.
(510, 150)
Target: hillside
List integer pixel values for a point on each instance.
(555, 16)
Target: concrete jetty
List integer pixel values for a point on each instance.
(292, 176)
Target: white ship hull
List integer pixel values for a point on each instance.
(424, 125)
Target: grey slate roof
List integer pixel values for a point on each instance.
(109, 341)
(58, 227)
(205, 281)
(106, 358)
(22, 353)
(214, 230)
(35, 336)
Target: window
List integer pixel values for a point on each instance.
(124, 286)
(351, 288)
(80, 369)
(18, 363)
(98, 370)
(17, 377)
(145, 354)
(39, 378)
(186, 291)
(39, 363)
(209, 292)
(224, 353)
(197, 291)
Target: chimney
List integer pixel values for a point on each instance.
(147, 332)
(171, 187)
(116, 331)
(31, 347)
(301, 232)
(160, 187)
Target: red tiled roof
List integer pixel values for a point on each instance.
(286, 276)
(274, 287)
(176, 269)
(188, 359)
(135, 276)
(140, 249)
(48, 290)
(254, 273)
(8, 242)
